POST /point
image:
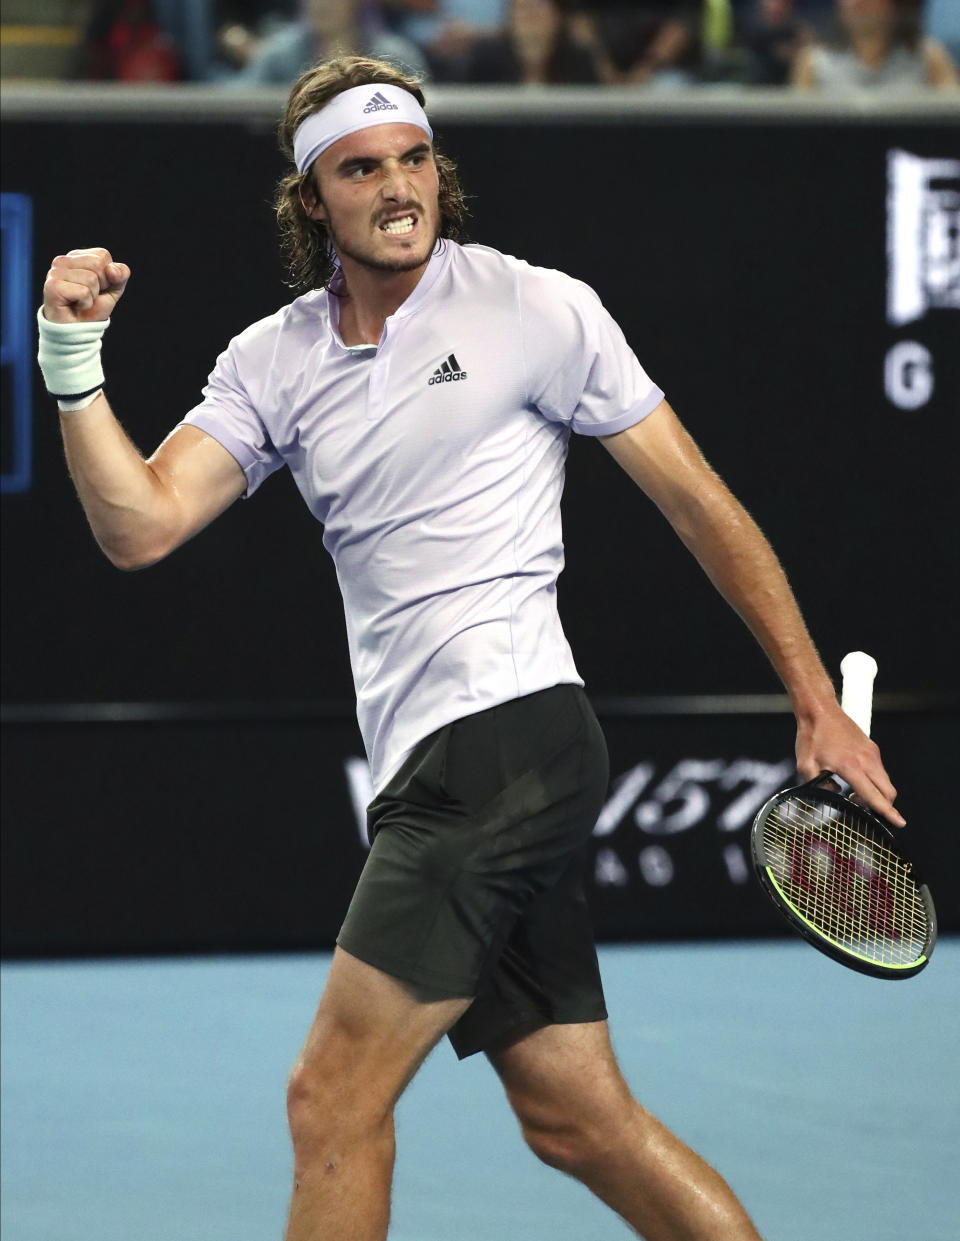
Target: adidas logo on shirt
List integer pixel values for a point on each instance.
(448, 372)
(379, 104)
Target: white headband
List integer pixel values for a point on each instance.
(360, 107)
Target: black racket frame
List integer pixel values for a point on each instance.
(815, 790)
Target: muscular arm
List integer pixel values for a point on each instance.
(663, 460)
(139, 510)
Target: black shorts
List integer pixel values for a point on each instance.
(474, 883)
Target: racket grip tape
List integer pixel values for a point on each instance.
(856, 697)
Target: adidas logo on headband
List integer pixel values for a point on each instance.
(353, 110)
(379, 104)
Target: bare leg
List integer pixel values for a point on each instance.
(369, 1037)
(577, 1114)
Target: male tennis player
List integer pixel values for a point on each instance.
(423, 402)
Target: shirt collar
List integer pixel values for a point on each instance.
(437, 264)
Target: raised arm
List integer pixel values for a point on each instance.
(139, 510)
(663, 460)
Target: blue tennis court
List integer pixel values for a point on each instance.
(145, 1100)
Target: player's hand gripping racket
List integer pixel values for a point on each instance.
(835, 870)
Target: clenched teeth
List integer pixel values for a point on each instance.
(403, 225)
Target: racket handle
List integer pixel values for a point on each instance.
(856, 696)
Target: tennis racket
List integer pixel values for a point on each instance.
(836, 871)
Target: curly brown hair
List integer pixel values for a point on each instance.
(305, 242)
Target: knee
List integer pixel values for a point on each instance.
(575, 1146)
(329, 1102)
(582, 1132)
(308, 1098)
(553, 1146)
(310, 1110)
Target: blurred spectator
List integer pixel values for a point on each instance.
(423, 21)
(206, 30)
(190, 25)
(446, 30)
(879, 44)
(773, 38)
(943, 24)
(657, 43)
(540, 44)
(327, 28)
(241, 28)
(124, 43)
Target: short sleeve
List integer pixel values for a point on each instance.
(579, 368)
(228, 414)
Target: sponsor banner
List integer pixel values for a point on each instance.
(923, 273)
(248, 833)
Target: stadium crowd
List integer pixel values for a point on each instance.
(820, 45)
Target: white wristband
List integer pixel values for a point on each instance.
(69, 357)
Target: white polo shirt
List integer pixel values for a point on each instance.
(435, 462)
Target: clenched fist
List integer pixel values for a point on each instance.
(83, 286)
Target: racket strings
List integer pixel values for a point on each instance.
(864, 887)
(845, 881)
